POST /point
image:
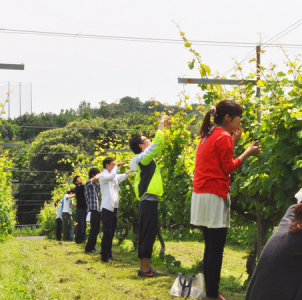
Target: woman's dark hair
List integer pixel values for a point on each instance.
(93, 171)
(134, 143)
(223, 108)
(107, 161)
(56, 203)
(297, 225)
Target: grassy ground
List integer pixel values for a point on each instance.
(47, 269)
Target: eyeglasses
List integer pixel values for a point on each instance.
(144, 140)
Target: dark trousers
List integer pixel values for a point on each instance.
(81, 227)
(147, 227)
(71, 231)
(109, 222)
(66, 226)
(59, 228)
(212, 260)
(95, 224)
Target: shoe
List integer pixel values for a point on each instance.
(93, 251)
(107, 260)
(113, 259)
(150, 273)
(220, 297)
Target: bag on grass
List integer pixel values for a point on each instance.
(194, 288)
(88, 216)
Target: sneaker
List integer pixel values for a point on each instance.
(107, 260)
(151, 273)
(93, 251)
(113, 259)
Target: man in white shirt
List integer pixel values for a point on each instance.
(66, 213)
(109, 184)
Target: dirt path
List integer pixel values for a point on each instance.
(30, 237)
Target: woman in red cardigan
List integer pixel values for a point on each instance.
(210, 205)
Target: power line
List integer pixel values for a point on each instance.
(128, 38)
(30, 171)
(29, 204)
(53, 153)
(284, 31)
(28, 212)
(37, 194)
(32, 200)
(38, 184)
(270, 44)
(73, 128)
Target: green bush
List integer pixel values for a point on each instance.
(243, 236)
(47, 220)
(7, 211)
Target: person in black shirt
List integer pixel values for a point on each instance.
(81, 210)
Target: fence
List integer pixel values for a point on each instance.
(19, 95)
(28, 225)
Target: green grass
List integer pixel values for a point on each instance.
(47, 269)
(26, 231)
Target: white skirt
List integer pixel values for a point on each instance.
(210, 210)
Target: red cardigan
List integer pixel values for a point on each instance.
(214, 164)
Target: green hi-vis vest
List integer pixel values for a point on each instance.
(148, 177)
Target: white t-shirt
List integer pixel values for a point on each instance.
(59, 211)
(67, 208)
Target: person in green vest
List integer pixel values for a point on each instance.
(148, 188)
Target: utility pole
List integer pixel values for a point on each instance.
(259, 227)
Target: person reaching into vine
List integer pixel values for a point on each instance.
(210, 203)
(148, 188)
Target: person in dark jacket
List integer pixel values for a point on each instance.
(81, 210)
(278, 273)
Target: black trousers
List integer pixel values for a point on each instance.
(147, 227)
(212, 260)
(95, 224)
(109, 223)
(59, 228)
(66, 226)
(81, 227)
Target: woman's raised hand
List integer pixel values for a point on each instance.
(236, 135)
(253, 149)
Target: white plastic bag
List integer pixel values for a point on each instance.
(88, 216)
(194, 288)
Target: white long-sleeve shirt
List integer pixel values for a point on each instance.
(59, 211)
(109, 183)
(67, 206)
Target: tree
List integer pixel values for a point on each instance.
(269, 182)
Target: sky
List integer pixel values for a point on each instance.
(64, 71)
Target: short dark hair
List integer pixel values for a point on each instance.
(56, 203)
(75, 179)
(134, 143)
(107, 161)
(93, 171)
(71, 191)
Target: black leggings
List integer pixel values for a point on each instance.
(212, 261)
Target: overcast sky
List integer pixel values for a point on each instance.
(65, 71)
